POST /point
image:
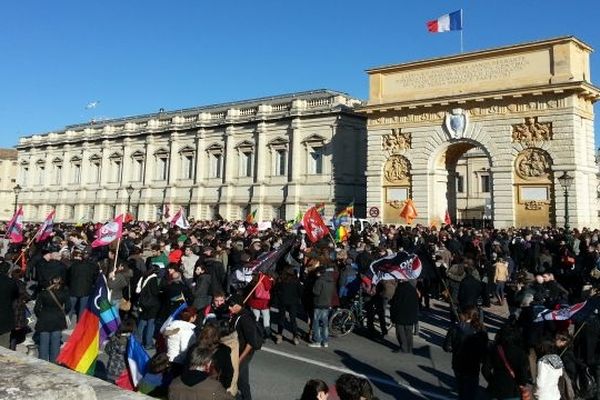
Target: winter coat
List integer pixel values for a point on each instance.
(81, 278)
(197, 385)
(501, 384)
(404, 305)
(549, 371)
(47, 270)
(468, 349)
(51, 317)
(148, 299)
(9, 292)
(201, 291)
(171, 297)
(120, 282)
(469, 292)
(261, 304)
(180, 335)
(324, 289)
(288, 293)
(188, 264)
(20, 305)
(116, 350)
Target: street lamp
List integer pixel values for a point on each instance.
(129, 190)
(566, 181)
(17, 190)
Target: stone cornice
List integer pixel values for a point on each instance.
(583, 89)
(303, 104)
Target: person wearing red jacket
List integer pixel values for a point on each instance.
(260, 298)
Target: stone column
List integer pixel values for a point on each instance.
(295, 167)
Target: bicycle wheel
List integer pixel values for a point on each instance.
(341, 322)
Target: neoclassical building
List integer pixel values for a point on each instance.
(276, 155)
(8, 181)
(528, 108)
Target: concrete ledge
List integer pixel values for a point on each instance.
(24, 377)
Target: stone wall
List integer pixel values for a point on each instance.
(25, 378)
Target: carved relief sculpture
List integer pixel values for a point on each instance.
(396, 141)
(396, 169)
(534, 205)
(533, 163)
(532, 132)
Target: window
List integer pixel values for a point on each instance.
(138, 166)
(280, 162)
(71, 212)
(76, 170)
(24, 174)
(95, 164)
(112, 211)
(135, 209)
(460, 183)
(116, 165)
(316, 158)
(41, 169)
(162, 166)
(187, 163)
(485, 183)
(92, 212)
(246, 163)
(57, 164)
(215, 165)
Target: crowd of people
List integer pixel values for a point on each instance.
(231, 276)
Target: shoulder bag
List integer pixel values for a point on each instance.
(62, 308)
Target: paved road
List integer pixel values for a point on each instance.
(280, 371)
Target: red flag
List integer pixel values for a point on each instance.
(447, 219)
(314, 225)
(15, 227)
(46, 229)
(109, 232)
(128, 218)
(409, 212)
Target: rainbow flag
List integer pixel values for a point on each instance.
(341, 233)
(345, 214)
(251, 217)
(97, 323)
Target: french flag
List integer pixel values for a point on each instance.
(447, 22)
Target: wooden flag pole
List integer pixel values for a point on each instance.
(117, 254)
(254, 288)
(24, 249)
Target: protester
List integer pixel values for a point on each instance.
(116, 350)
(21, 328)
(51, 308)
(315, 389)
(180, 335)
(148, 292)
(244, 323)
(9, 293)
(404, 312)
(288, 297)
(323, 291)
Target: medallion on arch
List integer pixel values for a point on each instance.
(533, 164)
(397, 170)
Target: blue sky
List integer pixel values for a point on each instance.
(138, 56)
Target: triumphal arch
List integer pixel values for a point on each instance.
(528, 108)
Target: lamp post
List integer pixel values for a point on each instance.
(17, 190)
(129, 190)
(566, 181)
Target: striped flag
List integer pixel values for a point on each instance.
(447, 22)
(46, 229)
(15, 227)
(251, 217)
(97, 323)
(180, 220)
(109, 232)
(137, 360)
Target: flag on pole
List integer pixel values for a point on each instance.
(173, 316)
(96, 324)
(447, 22)
(399, 266)
(344, 215)
(46, 229)
(341, 233)
(137, 360)
(314, 225)
(250, 218)
(447, 219)
(109, 232)
(15, 227)
(180, 220)
(320, 208)
(409, 211)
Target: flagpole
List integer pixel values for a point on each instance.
(461, 31)
(254, 288)
(117, 253)
(24, 249)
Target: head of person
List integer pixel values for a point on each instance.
(562, 340)
(539, 278)
(127, 327)
(201, 360)
(471, 316)
(352, 387)
(200, 269)
(315, 389)
(159, 363)
(218, 299)
(190, 314)
(235, 304)
(209, 337)
(4, 267)
(55, 283)
(188, 251)
(156, 251)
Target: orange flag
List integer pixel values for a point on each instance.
(409, 212)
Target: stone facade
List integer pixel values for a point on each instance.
(528, 107)
(276, 155)
(8, 180)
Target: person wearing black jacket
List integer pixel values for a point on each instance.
(9, 292)
(81, 277)
(51, 306)
(50, 266)
(506, 367)
(244, 323)
(471, 289)
(404, 313)
(287, 294)
(148, 302)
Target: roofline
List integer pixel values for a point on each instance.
(477, 53)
